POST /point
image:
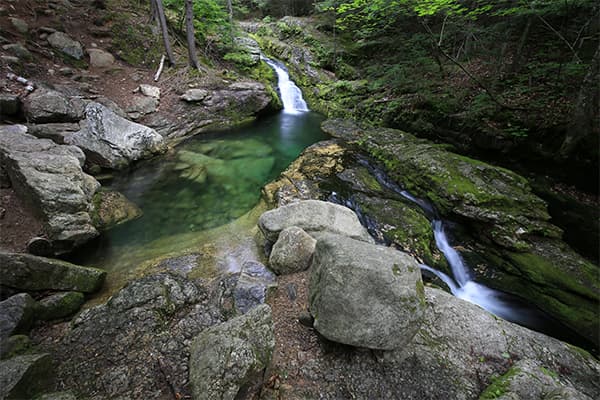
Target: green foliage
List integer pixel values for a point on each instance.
(211, 22)
(240, 58)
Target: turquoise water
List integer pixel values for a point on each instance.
(206, 182)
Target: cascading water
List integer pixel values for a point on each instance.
(291, 96)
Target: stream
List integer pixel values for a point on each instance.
(201, 200)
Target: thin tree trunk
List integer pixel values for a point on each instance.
(165, 33)
(191, 38)
(516, 64)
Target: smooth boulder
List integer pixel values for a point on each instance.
(230, 358)
(16, 315)
(28, 272)
(49, 178)
(365, 295)
(313, 216)
(112, 141)
(292, 252)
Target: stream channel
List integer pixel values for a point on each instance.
(202, 201)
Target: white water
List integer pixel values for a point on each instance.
(291, 95)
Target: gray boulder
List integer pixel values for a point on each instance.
(142, 105)
(23, 377)
(59, 305)
(48, 177)
(292, 252)
(112, 141)
(47, 105)
(100, 58)
(28, 272)
(313, 216)
(62, 42)
(365, 295)
(150, 91)
(54, 131)
(194, 95)
(229, 359)
(16, 315)
(252, 287)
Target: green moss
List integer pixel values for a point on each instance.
(396, 269)
(499, 385)
(549, 373)
(420, 292)
(135, 44)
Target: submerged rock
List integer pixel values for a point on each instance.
(365, 295)
(229, 360)
(49, 178)
(111, 209)
(113, 142)
(313, 216)
(23, 377)
(27, 272)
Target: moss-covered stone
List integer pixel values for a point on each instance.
(112, 208)
(499, 385)
(59, 305)
(14, 346)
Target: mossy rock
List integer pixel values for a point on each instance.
(59, 305)
(111, 208)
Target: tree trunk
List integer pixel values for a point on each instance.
(165, 33)
(585, 115)
(191, 38)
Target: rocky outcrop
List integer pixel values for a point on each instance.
(16, 315)
(517, 249)
(27, 272)
(312, 216)
(50, 179)
(113, 142)
(292, 252)
(228, 360)
(65, 44)
(23, 377)
(47, 105)
(365, 295)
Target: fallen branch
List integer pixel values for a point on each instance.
(29, 86)
(160, 68)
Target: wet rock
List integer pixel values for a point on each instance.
(16, 315)
(111, 209)
(228, 360)
(62, 42)
(53, 131)
(9, 104)
(19, 51)
(59, 305)
(19, 24)
(152, 322)
(28, 272)
(49, 178)
(150, 91)
(365, 295)
(253, 285)
(113, 142)
(47, 105)
(292, 252)
(312, 216)
(23, 377)
(100, 58)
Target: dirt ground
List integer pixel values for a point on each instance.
(17, 223)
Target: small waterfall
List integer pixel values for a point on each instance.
(291, 96)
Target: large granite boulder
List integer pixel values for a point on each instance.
(47, 105)
(515, 247)
(65, 44)
(28, 272)
(312, 216)
(365, 295)
(112, 141)
(16, 315)
(229, 359)
(292, 252)
(49, 178)
(23, 377)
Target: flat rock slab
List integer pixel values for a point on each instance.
(228, 359)
(313, 216)
(27, 272)
(112, 141)
(365, 295)
(49, 178)
(23, 377)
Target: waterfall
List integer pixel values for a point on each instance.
(291, 96)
